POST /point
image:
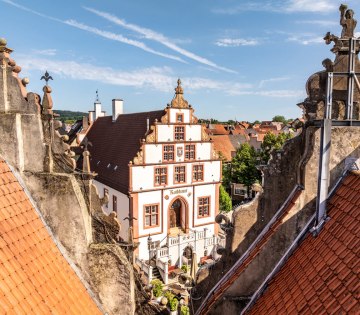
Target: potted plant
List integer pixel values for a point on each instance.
(174, 302)
(185, 268)
(184, 310)
(157, 288)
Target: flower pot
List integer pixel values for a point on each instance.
(158, 299)
(173, 312)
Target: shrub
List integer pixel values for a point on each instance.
(169, 295)
(174, 304)
(184, 310)
(157, 287)
(185, 268)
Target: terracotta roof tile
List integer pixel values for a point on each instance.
(223, 144)
(34, 276)
(328, 264)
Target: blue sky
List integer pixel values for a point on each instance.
(241, 60)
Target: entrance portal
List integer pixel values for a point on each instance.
(175, 214)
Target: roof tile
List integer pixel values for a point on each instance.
(329, 263)
(30, 263)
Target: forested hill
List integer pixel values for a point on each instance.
(67, 115)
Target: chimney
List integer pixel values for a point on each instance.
(117, 108)
(147, 124)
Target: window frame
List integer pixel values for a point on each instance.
(167, 152)
(200, 206)
(179, 173)
(160, 175)
(114, 203)
(190, 151)
(151, 226)
(197, 172)
(177, 118)
(179, 133)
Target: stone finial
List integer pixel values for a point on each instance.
(347, 21)
(178, 100)
(179, 89)
(3, 41)
(47, 103)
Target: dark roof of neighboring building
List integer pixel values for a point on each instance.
(322, 275)
(35, 277)
(217, 129)
(116, 144)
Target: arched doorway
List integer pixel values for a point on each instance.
(178, 215)
(175, 214)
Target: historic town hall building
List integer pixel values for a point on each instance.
(162, 176)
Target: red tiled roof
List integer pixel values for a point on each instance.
(116, 143)
(34, 276)
(322, 275)
(223, 144)
(217, 129)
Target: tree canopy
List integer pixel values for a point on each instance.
(224, 200)
(272, 142)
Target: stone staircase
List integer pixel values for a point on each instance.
(156, 274)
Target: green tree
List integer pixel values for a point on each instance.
(224, 200)
(256, 122)
(279, 118)
(272, 142)
(243, 168)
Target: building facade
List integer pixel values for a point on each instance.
(162, 176)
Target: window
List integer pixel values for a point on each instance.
(179, 133)
(168, 153)
(160, 176)
(106, 192)
(190, 152)
(203, 206)
(179, 174)
(115, 203)
(239, 191)
(151, 216)
(179, 118)
(198, 173)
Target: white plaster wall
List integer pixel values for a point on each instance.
(184, 111)
(143, 176)
(193, 132)
(122, 207)
(153, 153)
(165, 132)
(203, 151)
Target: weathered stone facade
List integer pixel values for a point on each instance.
(67, 199)
(296, 165)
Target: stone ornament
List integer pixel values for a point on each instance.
(178, 100)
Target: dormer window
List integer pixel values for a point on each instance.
(179, 118)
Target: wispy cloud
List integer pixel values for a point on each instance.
(281, 6)
(45, 52)
(271, 80)
(157, 37)
(311, 5)
(119, 38)
(236, 42)
(306, 39)
(318, 22)
(155, 78)
(94, 30)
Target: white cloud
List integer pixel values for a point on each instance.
(306, 40)
(266, 81)
(281, 6)
(158, 37)
(321, 6)
(318, 22)
(119, 38)
(45, 52)
(155, 78)
(106, 34)
(236, 42)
